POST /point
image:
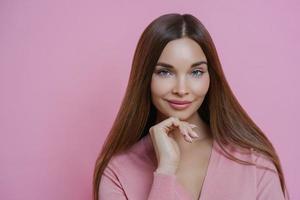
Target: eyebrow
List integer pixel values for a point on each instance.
(170, 66)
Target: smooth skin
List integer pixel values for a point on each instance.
(174, 128)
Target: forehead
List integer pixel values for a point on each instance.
(181, 51)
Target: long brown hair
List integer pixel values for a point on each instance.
(220, 110)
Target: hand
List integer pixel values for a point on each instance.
(166, 148)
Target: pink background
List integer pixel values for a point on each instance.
(64, 66)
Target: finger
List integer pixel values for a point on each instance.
(169, 123)
(192, 125)
(176, 121)
(188, 139)
(185, 132)
(192, 133)
(182, 131)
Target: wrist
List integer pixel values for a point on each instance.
(166, 170)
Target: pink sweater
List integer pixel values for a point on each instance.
(132, 176)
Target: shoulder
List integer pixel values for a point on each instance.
(261, 164)
(266, 170)
(268, 181)
(129, 172)
(249, 155)
(137, 157)
(263, 169)
(260, 179)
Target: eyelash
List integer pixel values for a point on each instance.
(163, 70)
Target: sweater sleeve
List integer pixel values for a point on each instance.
(268, 182)
(110, 187)
(163, 187)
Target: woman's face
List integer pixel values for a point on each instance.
(181, 73)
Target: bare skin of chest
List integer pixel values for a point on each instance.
(191, 173)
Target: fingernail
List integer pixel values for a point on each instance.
(193, 125)
(195, 134)
(184, 132)
(188, 138)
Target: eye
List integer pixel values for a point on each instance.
(197, 73)
(162, 73)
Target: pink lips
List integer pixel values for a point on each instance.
(179, 105)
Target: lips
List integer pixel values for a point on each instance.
(179, 105)
(179, 102)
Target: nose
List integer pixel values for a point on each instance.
(180, 87)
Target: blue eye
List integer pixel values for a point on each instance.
(162, 73)
(165, 73)
(198, 74)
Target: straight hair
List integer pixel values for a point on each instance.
(220, 110)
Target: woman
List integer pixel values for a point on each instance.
(180, 132)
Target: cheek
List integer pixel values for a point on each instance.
(200, 88)
(160, 87)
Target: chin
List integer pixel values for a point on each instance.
(181, 115)
(165, 111)
(184, 117)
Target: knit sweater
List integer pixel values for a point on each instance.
(131, 175)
